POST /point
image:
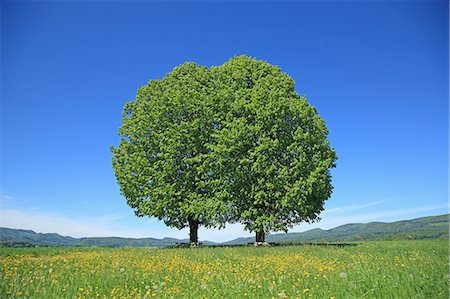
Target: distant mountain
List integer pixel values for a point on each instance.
(432, 227)
(28, 238)
(10, 237)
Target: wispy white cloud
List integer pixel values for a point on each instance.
(101, 226)
(353, 207)
(106, 218)
(5, 199)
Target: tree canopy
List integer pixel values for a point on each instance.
(160, 163)
(274, 147)
(232, 143)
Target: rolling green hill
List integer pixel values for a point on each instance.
(27, 238)
(432, 227)
(20, 237)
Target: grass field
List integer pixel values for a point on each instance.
(391, 269)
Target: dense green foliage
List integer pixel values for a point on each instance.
(233, 143)
(160, 163)
(272, 146)
(432, 227)
(396, 269)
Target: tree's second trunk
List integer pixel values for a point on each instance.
(260, 237)
(193, 231)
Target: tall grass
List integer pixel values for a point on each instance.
(391, 269)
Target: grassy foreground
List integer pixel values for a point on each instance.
(391, 269)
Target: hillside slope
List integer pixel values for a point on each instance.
(431, 227)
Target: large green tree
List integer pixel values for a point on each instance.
(230, 143)
(272, 148)
(161, 163)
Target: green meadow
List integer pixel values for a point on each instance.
(376, 269)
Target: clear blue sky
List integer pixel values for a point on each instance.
(376, 71)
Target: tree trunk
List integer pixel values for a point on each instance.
(193, 231)
(260, 237)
